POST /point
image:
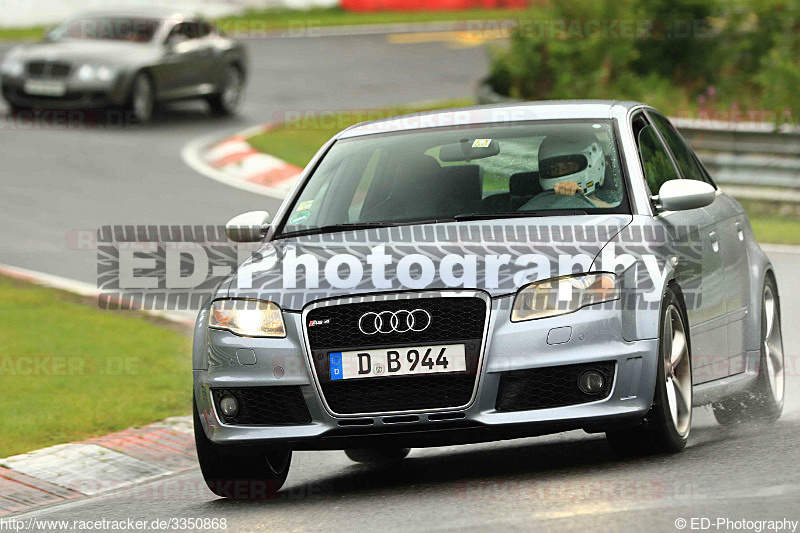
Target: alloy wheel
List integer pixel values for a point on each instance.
(677, 371)
(773, 346)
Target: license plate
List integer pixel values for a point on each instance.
(413, 360)
(45, 88)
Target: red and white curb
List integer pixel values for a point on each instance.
(234, 162)
(94, 466)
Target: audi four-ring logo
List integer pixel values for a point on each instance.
(394, 321)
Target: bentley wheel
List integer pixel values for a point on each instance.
(142, 100)
(231, 89)
(764, 401)
(667, 425)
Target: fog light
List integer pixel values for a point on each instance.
(591, 382)
(229, 406)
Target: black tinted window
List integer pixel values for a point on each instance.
(107, 28)
(682, 153)
(658, 167)
(190, 30)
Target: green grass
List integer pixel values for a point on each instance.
(299, 21)
(776, 230)
(106, 370)
(296, 142)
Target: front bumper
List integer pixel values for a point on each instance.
(596, 336)
(78, 95)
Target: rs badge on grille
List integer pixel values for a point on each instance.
(323, 322)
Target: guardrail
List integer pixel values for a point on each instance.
(751, 154)
(752, 160)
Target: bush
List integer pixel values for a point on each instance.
(680, 55)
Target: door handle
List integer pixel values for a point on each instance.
(739, 231)
(714, 241)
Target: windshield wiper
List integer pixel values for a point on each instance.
(333, 228)
(519, 214)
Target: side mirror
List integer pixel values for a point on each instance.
(683, 194)
(248, 227)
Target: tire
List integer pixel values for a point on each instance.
(763, 402)
(231, 89)
(666, 427)
(237, 473)
(377, 455)
(142, 98)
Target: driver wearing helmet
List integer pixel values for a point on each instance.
(572, 165)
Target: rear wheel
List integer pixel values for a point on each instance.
(666, 427)
(764, 401)
(377, 455)
(237, 473)
(229, 96)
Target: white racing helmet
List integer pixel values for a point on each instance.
(571, 157)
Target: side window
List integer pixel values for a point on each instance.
(186, 31)
(658, 167)
(682, 153)
(204, 29)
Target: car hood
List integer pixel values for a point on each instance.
(88, 51)
(459, 255)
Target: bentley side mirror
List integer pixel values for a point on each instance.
(248, 227)
(683, 194)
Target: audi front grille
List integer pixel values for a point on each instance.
(348, 326)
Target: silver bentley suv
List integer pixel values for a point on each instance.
(486, 273)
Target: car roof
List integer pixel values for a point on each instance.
(484, 114)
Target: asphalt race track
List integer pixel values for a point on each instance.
(55, 181)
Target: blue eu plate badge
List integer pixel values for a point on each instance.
(335, 360)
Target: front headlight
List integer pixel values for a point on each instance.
(87, 72)
(559, 296)
(90, 72)
(251, 318)
(106, 73)
(13, 67)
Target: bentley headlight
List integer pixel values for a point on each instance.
(106, 73)
(87, 72)
(251, 318)
(13, 66)
(559, 296)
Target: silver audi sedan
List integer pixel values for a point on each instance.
(486, 273)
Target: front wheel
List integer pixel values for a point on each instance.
(235, 473)
(764, 401)
(228, 98)
(142, 98)
(666, 427)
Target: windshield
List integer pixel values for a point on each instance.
(139, 30)
(485, 171)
